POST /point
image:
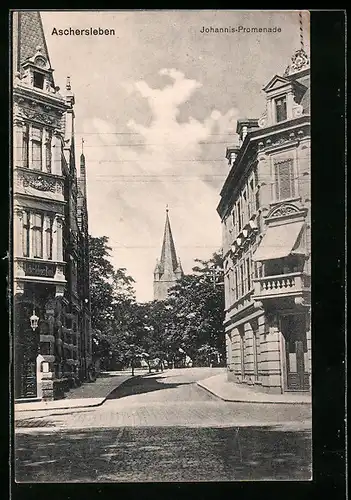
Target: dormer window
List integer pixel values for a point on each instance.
(281, 112)
(38, 80)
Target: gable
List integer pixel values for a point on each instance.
(275, 83)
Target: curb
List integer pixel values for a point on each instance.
(92, 405)
(255, 401)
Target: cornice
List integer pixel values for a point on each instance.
(273, 135)
(46, 99)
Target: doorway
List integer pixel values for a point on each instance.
(26, 351)
(293, 328)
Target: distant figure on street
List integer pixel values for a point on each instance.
(188, 362)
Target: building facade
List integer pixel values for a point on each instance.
(265, 214)
(51, 303)
(169, 268)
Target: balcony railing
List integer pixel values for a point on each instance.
(282, 285)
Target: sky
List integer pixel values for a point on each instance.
(157, 105)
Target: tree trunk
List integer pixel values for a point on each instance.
(132, 363)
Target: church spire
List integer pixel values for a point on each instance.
(168, 269)
(168, 261)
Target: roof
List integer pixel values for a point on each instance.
(28, 36)
(168, 261)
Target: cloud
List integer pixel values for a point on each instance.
(165, 162)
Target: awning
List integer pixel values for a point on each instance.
(278, 242)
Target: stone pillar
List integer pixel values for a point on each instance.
(228, 342)
(18, 287)
(18, 231)
(43, 150)
(236, 356)
(46, 243)
(30, 149)
(249, 354)
(18, 143)
(265, 187)
(271, 362)
(56, 153)
(290, 104)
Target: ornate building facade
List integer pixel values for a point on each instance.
(169, 268)
(265, 213)
(51, 303)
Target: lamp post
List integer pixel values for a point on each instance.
(34, 319)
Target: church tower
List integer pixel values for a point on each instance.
(168, 269)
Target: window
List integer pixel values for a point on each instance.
(38, 80)
(25, 149)
(37, 236)
(48, 238)
(236, 284)
(252, 207)
(248, 274)
(242, 277)
(284, 179)
(36, 148)
(239, 215)
(48, 152)
(280, 109)
(25, 240)
(244, 207)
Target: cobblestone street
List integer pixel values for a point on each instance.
(163, 427)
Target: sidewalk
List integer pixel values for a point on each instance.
(87, 395)
(219, 386)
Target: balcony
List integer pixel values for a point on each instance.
(281, 285)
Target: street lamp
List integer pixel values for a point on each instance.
(34, 319)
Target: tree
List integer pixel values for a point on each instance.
(112, 296)
(198, 303)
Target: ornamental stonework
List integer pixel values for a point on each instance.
(38, 182)
(284, 210)
(34, 115)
